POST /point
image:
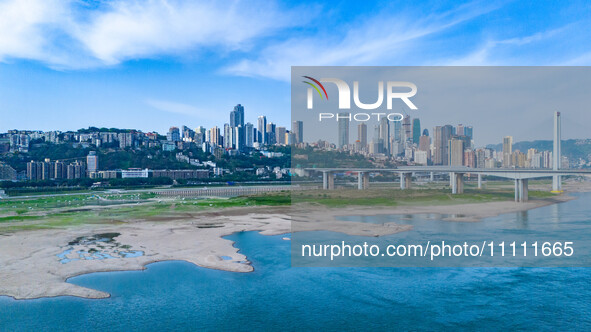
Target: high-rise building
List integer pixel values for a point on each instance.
(249, 134)
(362, 135)
(385, 134)
(262, 130)
(270, 134)
(237, 116)
(397, 131)
(406, 128)
(469, 131)
(298, 130)
(416, 130)
(507, 151)
(343, 132)
(280, 135)
(239, 138)
(456, 152)
(215, 136)
(228, 136)
(200, 133)
(424, 143)
(173, 134)
(92, 161)
(441, 137)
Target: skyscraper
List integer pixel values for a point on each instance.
(416, 130)
(237, 116)
(280, 135)
(298, 131)
(249, 134)
(200, 133)
(173, 135)
(216, 138)
(456, 152)
(239, 138)
(262, 129)
(228, 136)
(385, 134)
(362, 135)
(343, 121)
(441, 137)
(397, 131)
(270, 134)
(406, 128)
(92, 161)
(507, 151)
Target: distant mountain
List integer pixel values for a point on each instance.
(574, 149)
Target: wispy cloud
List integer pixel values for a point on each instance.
(487, 54)
(181, 109)
(68, 34)
(382, 39)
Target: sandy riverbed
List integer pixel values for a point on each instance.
(30, 267)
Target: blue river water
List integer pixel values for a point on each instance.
(180, 296)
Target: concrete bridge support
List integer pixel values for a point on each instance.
(432, 177)
(521, 190)
(405, 180)
(556, 184)
(457, 182)
(362, 180)
(479, 181)
(327, 180)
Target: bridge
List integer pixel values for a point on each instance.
(521, 176)
(456, 175)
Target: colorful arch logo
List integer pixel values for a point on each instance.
(318, 84)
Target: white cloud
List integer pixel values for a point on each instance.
(383, 39)
(69, 34)
(182, 109)
(25, 26)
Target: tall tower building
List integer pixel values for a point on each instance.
(173, 134)
(92, 161)
(507, 151)
(456, 152)
(557, 153)
(270, 133)
(406, 128)
(362, 134)
(237, 116)
(343, 122)
(216, 138)
(262, 130)
(298, 131)
(249, 134)
(228, 136)
(441, 137)
(397, 131)
(385, 134)
(416, 130)
(280, 135)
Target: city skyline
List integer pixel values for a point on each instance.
(162, 76)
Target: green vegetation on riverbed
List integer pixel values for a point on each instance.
(114, 208)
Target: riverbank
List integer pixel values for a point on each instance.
(33, 264)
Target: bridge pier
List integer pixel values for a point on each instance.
(362, 180)
(479, 181)
(327, 180)
(457, 182)
(556, 184)
(521, 190)
(405, 180)
(432, 177)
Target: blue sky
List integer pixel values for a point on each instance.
(69, 64)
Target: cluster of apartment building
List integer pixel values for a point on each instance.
(404, 142)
